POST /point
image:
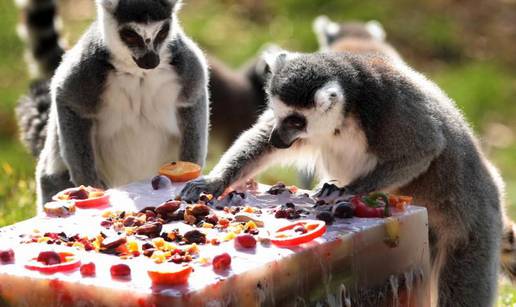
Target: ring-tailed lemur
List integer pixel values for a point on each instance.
(369, 38)
(128, 97)
(373, 124)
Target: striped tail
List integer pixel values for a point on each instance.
(38, 30)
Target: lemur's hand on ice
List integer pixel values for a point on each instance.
(210, 185)
(329, 192)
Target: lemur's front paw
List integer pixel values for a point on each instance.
(210, 185)
(329, 192)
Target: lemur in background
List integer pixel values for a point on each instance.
(128, 97)
(372, 124)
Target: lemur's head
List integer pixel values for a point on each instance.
(306, 97)
(137, 30)
(328, 32)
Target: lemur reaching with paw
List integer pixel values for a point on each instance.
(370, 124)
(128, 97)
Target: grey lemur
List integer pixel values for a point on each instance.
(237, 96)
(128, 97)
(369, 38)
(370, 123)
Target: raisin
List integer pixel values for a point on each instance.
(195, 236)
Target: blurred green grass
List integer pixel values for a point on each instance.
(460, 46)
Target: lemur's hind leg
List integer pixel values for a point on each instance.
(468, 274)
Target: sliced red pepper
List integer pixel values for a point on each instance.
(288, 236)
(69, 262)
(86, 203)
(363, 210)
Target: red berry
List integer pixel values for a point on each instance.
(6, 256)
(88, 269)
(245, 241)
(221, 262)
(49, 258)
(120, 270)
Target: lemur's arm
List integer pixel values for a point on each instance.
(193, 124)
(76, 147)
(249, 155)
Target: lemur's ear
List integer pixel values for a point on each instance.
(325, 30)
(276, 58)
(376, 30)
(109, 5)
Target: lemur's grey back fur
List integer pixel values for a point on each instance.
(421, 146)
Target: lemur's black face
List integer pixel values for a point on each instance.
(145, 41)
(143, 27)
(307, 100)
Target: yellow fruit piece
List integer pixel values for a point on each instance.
(130, 230)
(193, 249)
(107, 213)
(43, 240)
(250, 225)
(158, 242)
(203, 261)
(229, 236)
(158, 257)
(167, 246)
(78, 245)
(248, 209)
(207, 225)
(392, 227)
(132, 246)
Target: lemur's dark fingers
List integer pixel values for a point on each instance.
(193, 189)
(330, 192)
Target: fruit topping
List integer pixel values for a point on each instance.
(167, 208)
(180, 171)
(50, 262)
(84, 197)
(325, 216)
(160, 182)
(120, 270)
(88, 269)
(343, 210)
(245, 241)
(292, 234)
(278, 189)
(195, 236)
(151, 230)
(170, 276)
(6, 256)
(247, 217)
(59, 208)
(221, 262)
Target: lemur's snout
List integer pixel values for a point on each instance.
(286, 133)
(149, 61)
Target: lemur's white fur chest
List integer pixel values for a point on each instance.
(136, 129)
(344, 157)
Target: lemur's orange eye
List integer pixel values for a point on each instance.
(131, 38)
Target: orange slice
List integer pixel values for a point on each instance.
(180, 171)
(170, 277)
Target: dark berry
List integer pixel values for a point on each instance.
(78, 193)
(343, 210)
(49, 258)
(195, 236)
(221, 262)
(6, 256)
(281, 214)
(159, 182)
(120, 270)
(290, 205)
(245, 241)
(88, 269)
(325, 216)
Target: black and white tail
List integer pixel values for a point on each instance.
(44, 52)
